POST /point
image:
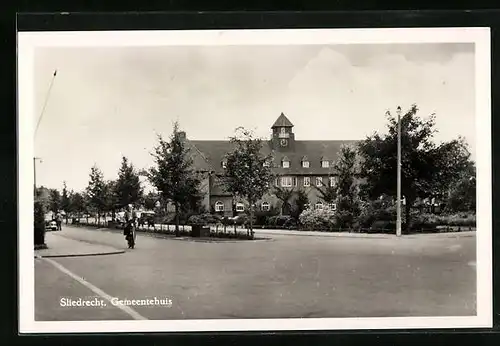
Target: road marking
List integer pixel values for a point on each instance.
(127, 309)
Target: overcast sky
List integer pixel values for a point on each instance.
(106, 102)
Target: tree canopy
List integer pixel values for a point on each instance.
(65, 199)
(427, 168)
(97, 191)
(127, 187)
(173, 174)
(247, 176)
(348, 206)
(54, 200)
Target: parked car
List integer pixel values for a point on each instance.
(50, 225)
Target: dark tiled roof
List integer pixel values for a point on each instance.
(282, 121)
(208, 155)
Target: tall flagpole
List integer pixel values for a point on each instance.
(35, 159)
(398, 198)
(46, 100)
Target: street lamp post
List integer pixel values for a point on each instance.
(398, 197)
(34, 169)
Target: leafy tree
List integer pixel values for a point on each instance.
(77, 203)
(111, 197)
(462, 194)
(327, 192)
(97, 192)
(427, 169)
(301, 203)
(246, 175)
(65, 201)
(128, 185)
(150, 200)
(285, 195)
(54, 200)
(173, 175)
(348, 206)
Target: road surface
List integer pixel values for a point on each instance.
(286, 276)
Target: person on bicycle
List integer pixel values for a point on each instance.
(130, 225)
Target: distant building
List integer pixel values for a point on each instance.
(298, 164)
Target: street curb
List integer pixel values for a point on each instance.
(83, 255)
(464, 234)
(388, 236)
(171, 237)
(241, 241)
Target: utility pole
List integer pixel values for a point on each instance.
(398, 198)
(35, 159)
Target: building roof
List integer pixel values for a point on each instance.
(282, 121)
(208, 155)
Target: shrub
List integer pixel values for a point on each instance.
(281, 221)
(204, 219)
(382, 225)
(424, 222)
(378, 210)
(262, 216)
(460, 220)
(317, 219)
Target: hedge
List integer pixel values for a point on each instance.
(183, 232)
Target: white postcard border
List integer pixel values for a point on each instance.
(29, 41)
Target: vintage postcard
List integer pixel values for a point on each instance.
(254, 180)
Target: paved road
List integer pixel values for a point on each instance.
(288, 276)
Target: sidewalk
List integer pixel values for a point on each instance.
(362, 235)
(61, 246)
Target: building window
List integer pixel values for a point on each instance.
(282, 131)
(305, 164)
(277, 182)
(325, 164)
(333, 181)
(286, 164)
(219, 206)
(318, 205)
(307, 181)
(286, 181)
(319, 181)
(265, 206)
(224, 164)
(332, 206)
(240, 207)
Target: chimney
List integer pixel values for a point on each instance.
(182, 135)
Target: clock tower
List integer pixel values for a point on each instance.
(283, 138)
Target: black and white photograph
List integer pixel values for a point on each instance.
(254, 180)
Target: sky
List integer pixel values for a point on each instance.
(109, 102)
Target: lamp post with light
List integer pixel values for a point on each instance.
(398, 197)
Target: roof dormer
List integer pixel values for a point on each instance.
(285, 162)
(304, 162)
(325, 163)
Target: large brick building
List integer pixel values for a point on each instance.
(299, 164)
